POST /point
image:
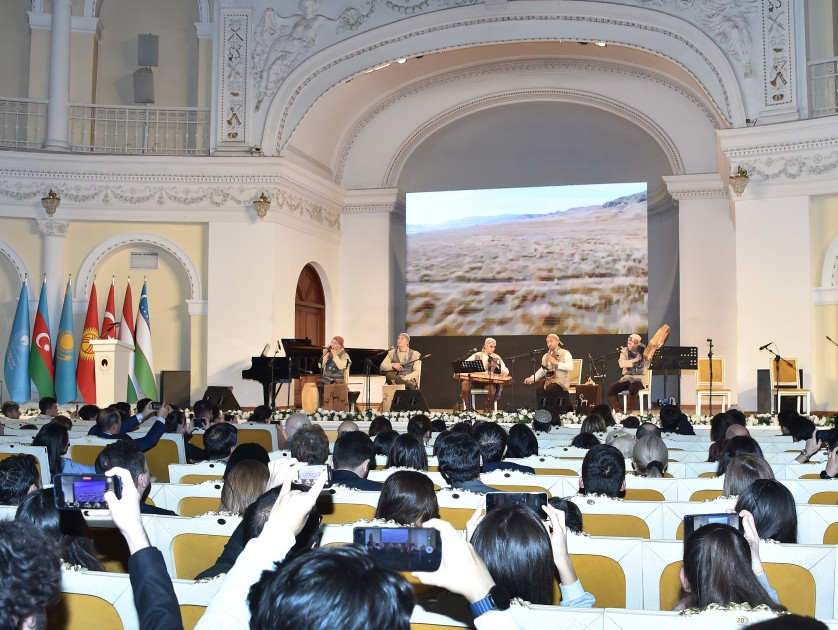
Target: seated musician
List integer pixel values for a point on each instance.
(633, 364)
(402, 366)
(556, 366)
(333, 363)
(493, 365)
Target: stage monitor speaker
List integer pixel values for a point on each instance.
(143, 86)
(409, 400)
(222, 397)
(555, 401)
(174, 388)
(147, 48)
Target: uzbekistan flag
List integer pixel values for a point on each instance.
(16, 368)
(40, 354)
(126, 334)
(65, 352)
(108, 321)
(143, 360)
(86, 370)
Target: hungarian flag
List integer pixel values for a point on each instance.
(40, 353)
(86, 370)
(143, 360)
(108, 321)
(16, 368)
(126, 334)
(65, 352)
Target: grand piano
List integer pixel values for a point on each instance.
(301, 358)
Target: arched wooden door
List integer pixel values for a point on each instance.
(309, 314)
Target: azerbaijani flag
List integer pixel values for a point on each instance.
(40, 353)
(108, 321)
(86, 369)
(143, 360)
(65, 352)
(126, 334)
(16, 368)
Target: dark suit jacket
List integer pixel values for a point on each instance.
(146, 442)
(145, 508)
(351, 480)
(154, 595)
(504, 465)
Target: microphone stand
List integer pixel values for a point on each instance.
(710, 360)
(777, 359)
(368, 375)
(534, 370)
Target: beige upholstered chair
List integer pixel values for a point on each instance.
(702, 385)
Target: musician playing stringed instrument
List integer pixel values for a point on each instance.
(494, 366)
(634, 361)
(555, 369)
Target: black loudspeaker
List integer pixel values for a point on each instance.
(222, 397)
(147, 47)
(143, 86)
(174, 388)
(555, 401)
(409, 400)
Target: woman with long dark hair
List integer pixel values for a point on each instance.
(56, 439)
(772, 505)
(408, 498)
(408, 451)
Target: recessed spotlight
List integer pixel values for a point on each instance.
(601, 44)
(402, 60)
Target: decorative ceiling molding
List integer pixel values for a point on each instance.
(692, 187)
(562, 95)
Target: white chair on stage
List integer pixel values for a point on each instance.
(785, 382)
(703, 383)
(643, 394)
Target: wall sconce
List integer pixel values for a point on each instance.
(50, 203)
(739, 181)
(262, 205)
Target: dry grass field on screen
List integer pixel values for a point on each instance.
(583, 271)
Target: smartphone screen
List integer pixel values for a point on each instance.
(82, 492)
(693, 521)
(307, 475)
(822, 435)
(533, 500)
(401, 548)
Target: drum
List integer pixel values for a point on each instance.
(657, 340)
(311, 398)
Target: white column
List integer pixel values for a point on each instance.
(58, 109)
(53, 234)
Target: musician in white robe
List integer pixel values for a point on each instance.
(493, 365)
(402, 366)
(556, 366)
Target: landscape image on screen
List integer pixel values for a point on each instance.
(523, 261)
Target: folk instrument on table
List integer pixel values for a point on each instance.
(484, 377)
(656, 342)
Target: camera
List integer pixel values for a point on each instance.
(401, 548)
(307, 475)
(82, 492)
(693, 521)
(533, 500)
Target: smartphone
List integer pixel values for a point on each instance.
(401, 548)
(693, 521)
(307, 475)
(200, 423)
(533, 500)
(156, 406)
(82, 492)
(823, 435)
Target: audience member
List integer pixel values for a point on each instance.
(789, 622)
(346, 426)
(492, 439)
(631, 422)
(384, 442)
(715, 450)
(521, 442)
(67, 528)
(719, 425)
(245, 452)
(378, 425)
(650, 457)
(408, 451)
(176, 423)
(30, 575)
(584, 440)
(647, 428)
(572, 513)
(310, 445)
(522, 556)
(772, 506)
(11, 410)
(439, 439)
(63, 421)
(293, 424)
(219, 441)
(420, 424)
(593, 424)
(438, 426)
(88, 412)
(111, 426)
(736, 429)
(736, 413)
(673, 421)
(459, 462)
(604, 411)
(202, 410)
(262, 414)
(464, 426)
(736, 446)
(622, 440)
(795, 425)
(125, 454)
(244, 484)
(742, 471)
(18, 477)
(542, 421)
(722, 566)
(603, 471)
(352, 458)
(56, 440)
(48, 407)
(408, 498)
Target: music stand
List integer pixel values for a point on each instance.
(673, 359)
(467, 367)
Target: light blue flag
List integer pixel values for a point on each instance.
(65, 353)
(17, 353)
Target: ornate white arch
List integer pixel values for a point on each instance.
(17, 262)
(827, 293)
(131, 239)
(644, 29)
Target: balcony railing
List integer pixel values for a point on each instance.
(125, 130)
(823, 87)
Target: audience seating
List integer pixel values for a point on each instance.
(673, 513)
(339, 505)
(262, 434)
(603, 516)
(40, 452)
(172, 496)
(608, 568)
(169, 449)
(85, 450)
(517, 481)
(457, 506)
(196, 473)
